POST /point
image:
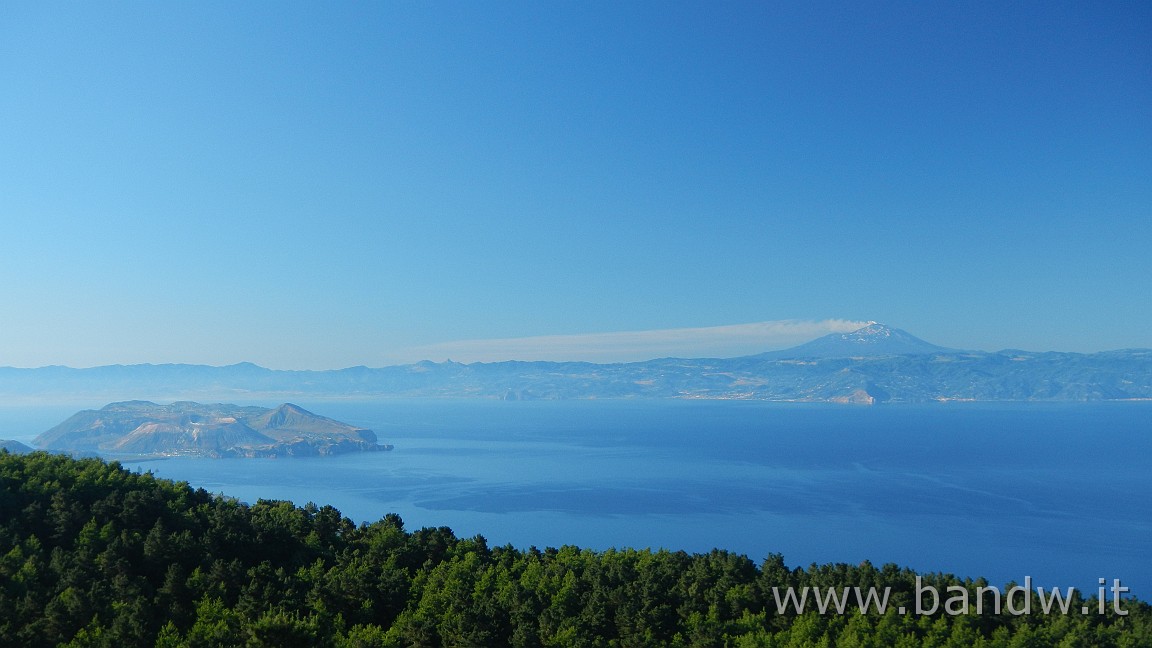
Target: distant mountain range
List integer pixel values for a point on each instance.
(876, 363)
(141, 428)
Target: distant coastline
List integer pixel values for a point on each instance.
(873, 365)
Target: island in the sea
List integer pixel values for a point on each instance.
(187, 429)
(15, 447)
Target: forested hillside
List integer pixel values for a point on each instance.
(92, 554)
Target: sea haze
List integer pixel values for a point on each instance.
(1057, 492)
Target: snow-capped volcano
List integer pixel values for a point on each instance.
(876, 339)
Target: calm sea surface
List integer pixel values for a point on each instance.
(1059, 492)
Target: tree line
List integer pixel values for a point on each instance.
(93, 554)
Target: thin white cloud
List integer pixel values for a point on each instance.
(628, 346)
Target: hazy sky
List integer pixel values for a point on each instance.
(323, 184)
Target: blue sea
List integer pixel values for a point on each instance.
(1058, 492)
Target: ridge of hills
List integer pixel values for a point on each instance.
(142, 428)
(15, 447)
(874, 364)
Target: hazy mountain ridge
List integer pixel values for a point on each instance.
(15, 447)
(875, 364)
(191, 429)
(874, 339)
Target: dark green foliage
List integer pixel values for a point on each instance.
(92, 554)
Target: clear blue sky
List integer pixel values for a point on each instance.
(319, 185)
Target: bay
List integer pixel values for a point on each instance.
(1057, 492)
